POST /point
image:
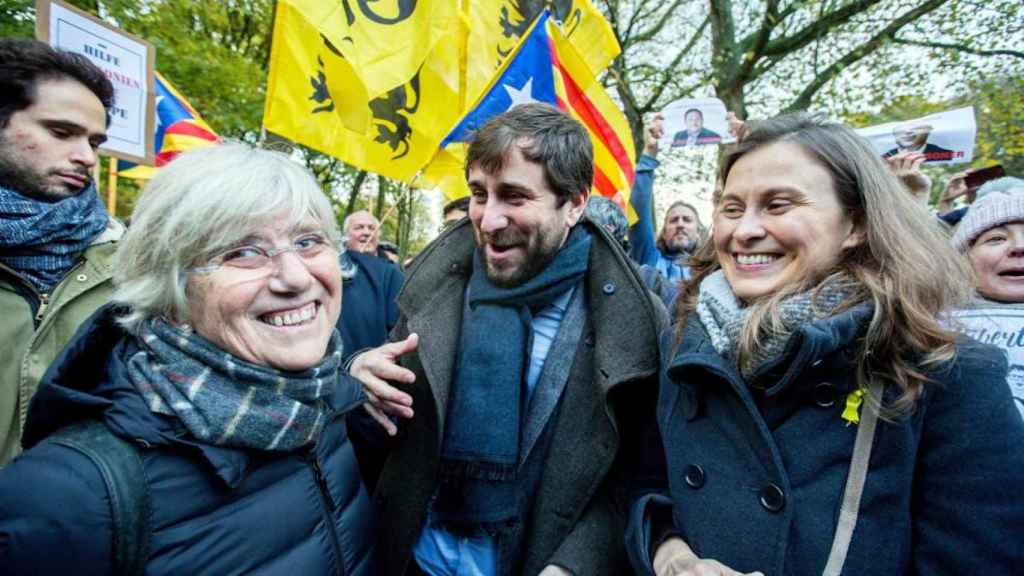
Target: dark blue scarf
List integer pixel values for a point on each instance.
(480, 453)
(42, 240)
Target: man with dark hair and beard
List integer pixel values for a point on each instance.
(527, 346)
(56, 238)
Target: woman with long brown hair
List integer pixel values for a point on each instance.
(816, 415)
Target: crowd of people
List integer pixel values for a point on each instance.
(823, 379)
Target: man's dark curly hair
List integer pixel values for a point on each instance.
(24, 63)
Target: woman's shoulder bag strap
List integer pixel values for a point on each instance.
(854, 485)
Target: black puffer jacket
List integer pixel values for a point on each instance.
(214, 510)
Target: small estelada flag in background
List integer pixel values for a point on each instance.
(545, 67)
(178, 128)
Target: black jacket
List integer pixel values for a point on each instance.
(756, 472)
(214, 510)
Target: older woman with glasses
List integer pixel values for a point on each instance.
(816, 415)
(215, 379)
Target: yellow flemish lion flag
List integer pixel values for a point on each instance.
(315, 97)
(386, 42)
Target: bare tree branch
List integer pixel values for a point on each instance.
(670, 70)
(654, 29)
(638, 15)
(807, 34)
(768, 23)
(958, 48)
(803, 100)
(350, 206)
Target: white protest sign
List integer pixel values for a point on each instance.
(695, 122)
(944, 138)
(125, 59)
(1001, 326)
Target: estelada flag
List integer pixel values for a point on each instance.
(318, 97)
(545, 67)
(178, 128)
(496, 28)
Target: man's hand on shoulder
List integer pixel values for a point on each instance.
(375, 368)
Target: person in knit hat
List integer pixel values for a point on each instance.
(991, 234)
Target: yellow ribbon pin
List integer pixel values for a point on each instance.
(852, 411)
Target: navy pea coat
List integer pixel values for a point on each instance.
(214, 510)
(756, 473)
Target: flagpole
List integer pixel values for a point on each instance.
(112, 185)
(97, 170)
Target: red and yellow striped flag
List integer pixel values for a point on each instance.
(580, 94)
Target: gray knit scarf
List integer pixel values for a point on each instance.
(226, 401)
(724, 317)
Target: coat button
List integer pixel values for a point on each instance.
(81, 277)
(608, 288)
(694, 476)
(825, 395)
(772, 498)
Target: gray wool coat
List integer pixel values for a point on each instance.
(577, 517)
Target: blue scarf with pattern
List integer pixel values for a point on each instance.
(42, 240)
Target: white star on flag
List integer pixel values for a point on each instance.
(523, 95)
(156, 107)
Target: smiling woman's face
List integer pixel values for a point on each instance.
(997, 257)
(779, 220)
(281, 315)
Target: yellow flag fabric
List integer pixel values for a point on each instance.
(386, 42)
(591, 35)
(315, 98)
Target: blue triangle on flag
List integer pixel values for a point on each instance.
(528, 78)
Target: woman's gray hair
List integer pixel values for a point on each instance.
(202, 203)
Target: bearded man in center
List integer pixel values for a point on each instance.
(524, 362)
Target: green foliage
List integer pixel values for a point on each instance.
(213, 52)
(999, 104)
(17, 19)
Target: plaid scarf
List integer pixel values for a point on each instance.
(42, 240)
(225, 401)
(724, 317)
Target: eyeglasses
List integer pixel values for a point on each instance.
(255, 257)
